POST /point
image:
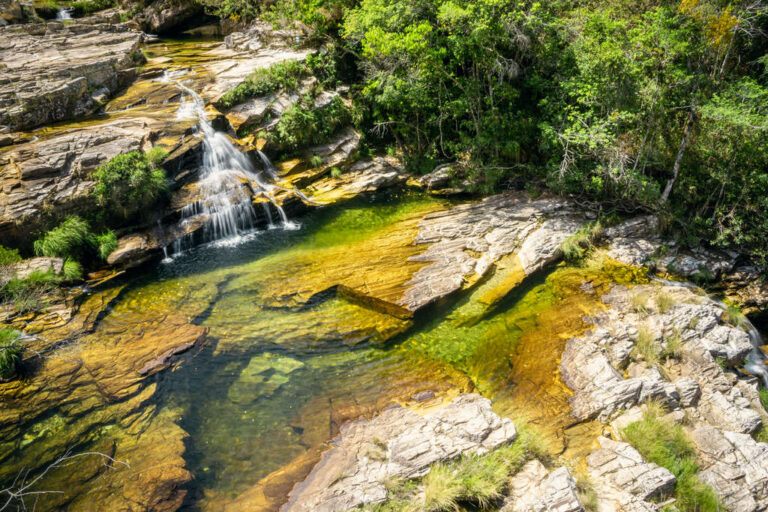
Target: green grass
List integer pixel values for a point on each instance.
(645, 347)
(10, 353)
(29, 294)
(673, 346)
(639, 302)
(666, 444)
(9, 256)
(71, 270)
(157, 156)
(105, 243)
(578, 245)
(734, 316)
(478, 480)
(664, 302)
(85, 7)
(67, 240)
(284, 76)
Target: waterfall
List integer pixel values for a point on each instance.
(755, 362)
(64, 14)
(228, 181)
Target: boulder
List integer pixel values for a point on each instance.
(23, 269)
(163, 15)
(622, 466)
(534, 489)
(399, 443)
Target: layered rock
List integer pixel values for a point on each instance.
(465, 241)
(534, 489)
(399, 443)
(54, 72)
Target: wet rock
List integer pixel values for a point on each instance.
(399, 443)
(735, 465)
(49, 73)
(534, 489)
(747, 288)
(466, 240)
(622, 466)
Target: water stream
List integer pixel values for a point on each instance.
(64, 14)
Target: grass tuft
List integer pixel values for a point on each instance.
(67, 240)
(664, 302)
(640, 302)
(645, 347)
(577, 246)
(10, 353)
(666, 444)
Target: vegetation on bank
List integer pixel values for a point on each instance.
(665, 443)
(10, 353)
(637, 106)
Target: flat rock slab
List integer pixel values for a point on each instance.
(399, 443)
(51, 70)
(465, 241)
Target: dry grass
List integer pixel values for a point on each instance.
(664, 302)
(639, 302)
(645, 348)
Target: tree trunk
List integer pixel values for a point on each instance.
(680, 153)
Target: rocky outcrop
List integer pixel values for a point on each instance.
(54, 72)
(163, 15)
(13, 12)
(399, 443)
(259, 35)
(39, 179)
(534, 489)
(465, 241)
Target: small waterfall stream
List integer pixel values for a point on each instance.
(64, 14)
(755, 362)
(228, 181)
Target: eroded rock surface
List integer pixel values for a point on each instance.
(466, 240)
(534, 489)
(397, 443)
(51, 72)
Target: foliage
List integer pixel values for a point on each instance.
(734, 316)
(476, 479)
(71, 270)
(10, 352)
(84, 7)
(283, 76)
(67, 240)
(29, 294)
(302, 125)
(105, 243)
(129, 184)
(666, 444)
(9, 256)
(576, 246)
(156, 156)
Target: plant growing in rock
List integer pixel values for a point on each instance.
(67, 240)
(10, 353)
(640, 302)
(302, 124)
(645, 348)
(666, 444)
(9, 256)
(664, 302)
(105, 243)
(129, 184)
(577, 246)
(283, 76)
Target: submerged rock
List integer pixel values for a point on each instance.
(399, 443)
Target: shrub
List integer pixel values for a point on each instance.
(576, 247)
(284, 76)
(9, 256)
(316, 161)
(68, 240)
(83, 7)
(71, 270)
(105, 243)
(335, 172)
(302, 124)
(128, 184)
(10, 353)
(157, 156)
(666, 444)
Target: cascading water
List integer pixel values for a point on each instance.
(755, 362)
(228, 181)
(64, 14)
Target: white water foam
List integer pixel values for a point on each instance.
(228, 182)
(64, 14)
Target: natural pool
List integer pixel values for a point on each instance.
(287, 359)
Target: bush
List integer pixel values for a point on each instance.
(71, 270)
(666, 444)
(68, 240)
(576, 247)
(9, 256)
(128, 184)
(105, 243)
(284, 76)
(10, 353)
(302, 124)
(84, 7)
